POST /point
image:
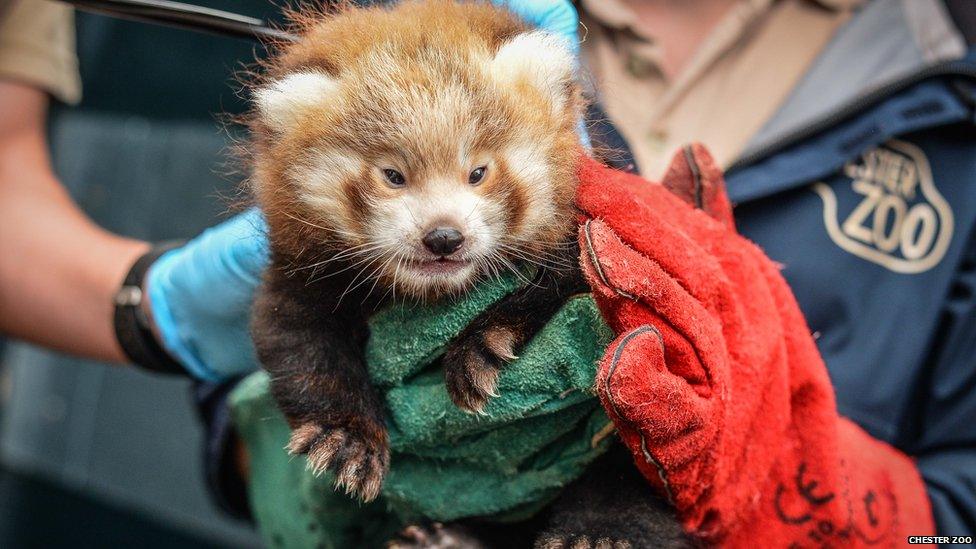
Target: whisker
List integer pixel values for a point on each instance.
(368, 260)
(309, 223)
(376, 279)
(353, 285)
(345, 254)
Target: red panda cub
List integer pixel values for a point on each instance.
(407, 153)
(402, 152)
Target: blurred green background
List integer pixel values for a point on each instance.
(99, 456)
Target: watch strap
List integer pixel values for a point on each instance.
(132, 328)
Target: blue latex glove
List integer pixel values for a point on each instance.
(200, 294)
(558, 17)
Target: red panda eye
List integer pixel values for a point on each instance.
(394, 178)
(477, 175)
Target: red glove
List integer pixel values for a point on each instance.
(715, 383)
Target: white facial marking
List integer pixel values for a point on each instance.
(283, 103)
(405, 220)
(320, 180)
(528, 163)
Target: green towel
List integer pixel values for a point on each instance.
(540, 434)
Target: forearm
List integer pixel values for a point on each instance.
(58, 270)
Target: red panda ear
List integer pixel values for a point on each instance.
(283, 102)
(542, 59)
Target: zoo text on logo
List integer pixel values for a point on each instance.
(899, 219)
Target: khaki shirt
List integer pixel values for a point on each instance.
(742, 72)
(37, 47)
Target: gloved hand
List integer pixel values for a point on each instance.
(714, 381)
(200, 296)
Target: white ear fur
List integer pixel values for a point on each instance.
(541, 58)
(283, 102)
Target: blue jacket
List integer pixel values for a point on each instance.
(874, 218)
(871, 207)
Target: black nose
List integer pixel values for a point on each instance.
(443, 240)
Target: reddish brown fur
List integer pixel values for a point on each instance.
(433, 43)
(439, 91)
(437, 106)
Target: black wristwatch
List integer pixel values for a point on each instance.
(132, 327)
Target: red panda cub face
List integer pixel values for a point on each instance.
(428, 144)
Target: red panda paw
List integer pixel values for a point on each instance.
(581, 542)
(358, 454)
(472, 364)
(434, 536)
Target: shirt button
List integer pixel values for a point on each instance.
(657, 139)
(638, 67)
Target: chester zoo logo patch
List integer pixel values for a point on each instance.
(896, 217)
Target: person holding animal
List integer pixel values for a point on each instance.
(822, 486)
(714, 383)
(801, 438)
